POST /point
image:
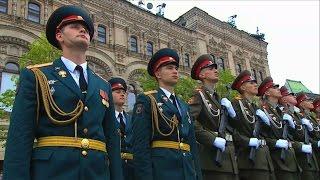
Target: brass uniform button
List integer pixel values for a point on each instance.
(85, 130)
(181, 145)
(85, 143)
(86, 108)
(84, 153)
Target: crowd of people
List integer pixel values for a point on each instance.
(69, 123)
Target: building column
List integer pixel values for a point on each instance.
(231, 62)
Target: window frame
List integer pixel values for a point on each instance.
(5, 6)
(150, 45)
(100, 34)
(136, 44)
(33, 14)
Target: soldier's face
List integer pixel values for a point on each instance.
(274, 92)
(250, 87)
(307, 104)
(210, 74)
(291, 100)
(74, 35)
(168, 74)
(119, 97)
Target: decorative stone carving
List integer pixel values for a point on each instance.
(99, 67)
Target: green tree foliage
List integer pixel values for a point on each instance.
(225, 79)
(41, 51)
(7, 99)
(187, 85)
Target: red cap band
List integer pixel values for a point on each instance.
(204, 63)
(165, 59)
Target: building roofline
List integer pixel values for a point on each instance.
(156, 16)
(198, 9)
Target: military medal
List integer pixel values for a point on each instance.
(165, 98)
(50, 82)
(57, 68)
(62, 73)
(105, 98)
(52, 90)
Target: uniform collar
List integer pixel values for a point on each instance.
(166, 92)
(70, 65)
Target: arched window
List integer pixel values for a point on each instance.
(238, 68)
(133, 44)
(34, 12)
(3, 6)
(102, 34)
(8, 77)
(254, 74)
(12, 66)
(220, 63)
(149, 48)
(186, 60)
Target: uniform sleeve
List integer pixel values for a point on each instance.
(203, 136)
(142, 132)
(21, 130)
(239, 138)
(194, 151)
(112, 140)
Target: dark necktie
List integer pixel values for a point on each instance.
(174, 102)
(82, 81)
(122, 124)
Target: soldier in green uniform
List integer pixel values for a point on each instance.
(67, 109)
(253, 154)
(119, 89)
(286, 165)
(304, 152)
(306, 106)
(164, 144)
(207, 111)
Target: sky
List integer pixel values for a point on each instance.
(291, 30)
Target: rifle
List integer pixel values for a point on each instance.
(256, 134)
(284, 136)
(307, 141)
(222, 128)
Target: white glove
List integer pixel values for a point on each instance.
(263, 116)
(220, 143)
(306, 148)
(226, 103)
(281, 143)
(254, 142)
(289, 119)
(306, 122)
(318, 144)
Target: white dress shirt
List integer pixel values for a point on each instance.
(74, 73)
(117, 116)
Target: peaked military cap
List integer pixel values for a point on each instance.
(265, 85)
(301, 96)
(66, 15)
(118, 83)
(162, 57)
(244, 76)
(204, 61)
(284, 91)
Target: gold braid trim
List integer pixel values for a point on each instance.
(48, 101)
(172, 123)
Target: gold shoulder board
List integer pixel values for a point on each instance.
(151, 92)
(238, 98)
(39, 65)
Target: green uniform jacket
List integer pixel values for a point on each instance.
(163, 163)
(206, 127)
(298, 136)
(315, 135)
(22, 161)
(126, 147)
(274, 133)
(245, 124)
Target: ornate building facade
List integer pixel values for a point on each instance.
(126, 37)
